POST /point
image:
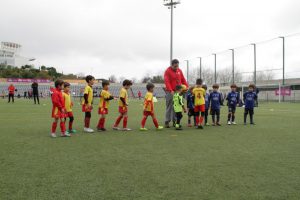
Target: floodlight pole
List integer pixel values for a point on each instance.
(187, 70)
(283, 60)
(254, 53)
(215, 67)
(200, 70)
(233, 66)
(171, 4)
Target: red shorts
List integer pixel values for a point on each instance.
(123, 110)
(56, 113)
(200, 108)
(148, 113)
(102, 111)
(86, 108)
(69, 114)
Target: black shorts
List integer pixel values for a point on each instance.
(191, 112)
(249, 110)
(231, 109)
(215, 111)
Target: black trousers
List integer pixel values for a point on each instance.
(249, 111)
(36, 98)
(215, 112)
(178, 117)
(11, 96)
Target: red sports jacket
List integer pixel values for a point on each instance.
(174, 78)
(57, 99)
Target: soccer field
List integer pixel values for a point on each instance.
(228, 162)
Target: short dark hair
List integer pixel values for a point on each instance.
(66, 84)
(178, 87)
(199, 81)
(216, 86)
(175, 61)
(127, 83)
(89, 78)
(58, 82)
(204, 87)
(105, 83)
(150, 86)
(233, 85)
(252, 86)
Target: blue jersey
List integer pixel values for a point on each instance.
(190, 100)
(249, 99)
(233, 99)
(207, 100)
(215, 100)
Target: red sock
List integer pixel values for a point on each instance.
(62, 127)
(144, 121)
(155, 122)
(197, 120)
(125, 122)
(201, 120)
(87, 122)
(103, 122)
(70, 125)
(118, 121)
(54, 125)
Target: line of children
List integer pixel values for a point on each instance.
(199, 102)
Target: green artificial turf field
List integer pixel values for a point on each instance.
(228, 162)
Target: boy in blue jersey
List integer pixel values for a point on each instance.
(215, 104)
(249, 101)
(207, 103)
(190, 105)
(233, 99)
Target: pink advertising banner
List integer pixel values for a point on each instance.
(27, 80)
(283, 91)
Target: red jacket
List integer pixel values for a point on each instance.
(11, 89)
(57, 99)
(174, 78)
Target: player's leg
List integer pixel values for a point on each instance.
(218, 117)
(119, 118)
(206, 117)
(64, 133)
(13, 97)
(178, 119)
(143, 122)
(233, 116)
(53, 127)
(125, 121)
(197, 114)
(213, 116)
(251, 113)
(71, 120)
(87, 120)
(169, 109)
(189, 118)
(101, 123)
(38, 99)
(155, 122)
(34, 98)
(245, 115)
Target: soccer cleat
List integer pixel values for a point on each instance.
(160, 128)
(190, 125)
(252, 123)
(73, 131)
(218, 124)
(207, 124)
(229, 123)
(233, 123)
(65, 134)
(101, 129)
(126, 129)
(88, 130)
(200, 127)
(143, 129)
(53, 135)
(214, 124)
(116, 128)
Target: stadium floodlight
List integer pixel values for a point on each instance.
(215, 55)
(200, 70)
(171, 4)
(232, 65)
(283, 60)
(187, 70)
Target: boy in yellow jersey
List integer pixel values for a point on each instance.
(105, 97)
(149, 108)
(199, 95)
(123, 106)
(87, 103)
(68, 106)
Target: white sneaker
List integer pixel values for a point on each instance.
(53, 135)
(229, 123)
(233, 123)
(65, 134)
(88, 130)
(116, 128)
(126, 129)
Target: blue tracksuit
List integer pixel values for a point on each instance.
(215, 100)
(249, 99)
(190, 100)
(207, 101)
(233, 99)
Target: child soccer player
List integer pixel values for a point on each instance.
(233, 99)
(58, 109)
(149, 108)
(123, 106)
(215, 102)
(87, 103)
(178, 106)
(207, 104)
(249, 100)
(199, 96)
(105, 97)
(68, 106)
(190, 106)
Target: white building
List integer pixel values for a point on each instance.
(10, 55)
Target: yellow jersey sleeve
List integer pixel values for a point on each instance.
(123, 94)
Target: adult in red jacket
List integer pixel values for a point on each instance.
(11, 93)
(173, 77)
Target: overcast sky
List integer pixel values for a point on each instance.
(131, 37)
